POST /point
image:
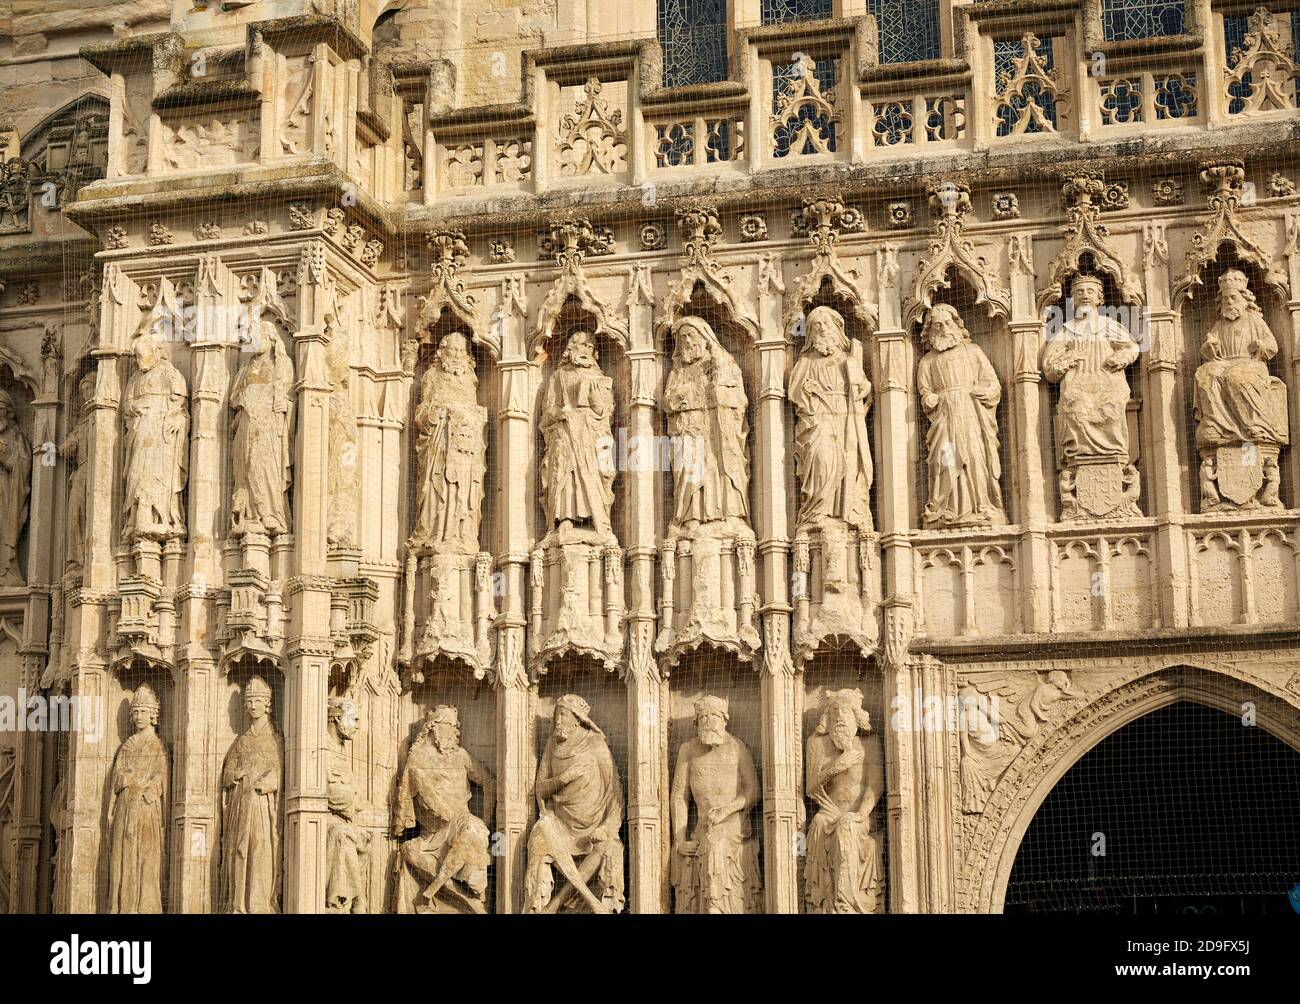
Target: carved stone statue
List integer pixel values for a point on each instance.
(715, 870)
(1240, 408)
(15, 488)
(578, 465)
(443, 869)
(1087, 357)
(452, 448)
(137, 791)
(959, 393)
(845, 869)
(156, 409)
(831, 396)
(347, 844)
(250, 829)
(76, 451)
(262, 400)
(579, 812)
(344, 472)
(708, 422)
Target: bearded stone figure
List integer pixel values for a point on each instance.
(578, 465)
(347, 844)
(845, 763)
(959, 392)
(443, 869)
(156, 410)
(15, 488)
(250, 830)
(137, 798)
(579, 812)
(1240, 408)
(262, 400)
(76, 449)
(1088, 357)
(831, 396)
(452, 446)
(708, 422)
(715, 870)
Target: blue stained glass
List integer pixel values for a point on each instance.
(693, 34)
(1121, 19)
(908, 29)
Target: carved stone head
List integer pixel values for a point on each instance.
(147, 353)
(711, 717)
(144, 707)
(693, 339)
(1087, 294)
(844, 717)
(826, 334)
(257, 699)
(344, 717)
(944, 329)
(8, 413)
(1235, 298)
(453, 354)
(444, 728)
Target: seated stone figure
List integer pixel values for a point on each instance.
(580, 810)
(444, 868)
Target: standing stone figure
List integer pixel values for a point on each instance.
(452, 449)
(578, 464)
(708, 422)
(262, 400)
(76, 449)
(137, 798)
(1088, 358)
(845, 870)
(579, 812)
(250, 831)
(156, 409)
(831, 396)
(716, 869)
(1240, 408)
(444, 868)
(343, 478)
(347, 844)
(959, 392)
(15, 487)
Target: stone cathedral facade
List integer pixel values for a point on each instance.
(533, 457)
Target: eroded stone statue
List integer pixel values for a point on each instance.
(347, 843)
(715, 869)
(137, 791)
(250, 827)
(578, 465)
(262, 399)
(15, 489)
(76, 451)
(845, 868)
(344, 470)
(831, 396)
(443, 869)
(959, 392)
(579, 812)
(452, 447)
(1088, 357)
(708, 417)
(157, 448)
(1240, 407)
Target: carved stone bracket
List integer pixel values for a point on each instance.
(1223, 226)
(949, 248)
(700, 230)
(824, 220)
(1085, 234)
(586, 571)
(573, 239)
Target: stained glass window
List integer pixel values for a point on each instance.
(1141, 18)
(780, 11)
(908, 29)
(693, 34)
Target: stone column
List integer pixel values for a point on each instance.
(647, 808)
(516, 470)
(1163, 414)
(1032, 508)
(308, 647)
(782, 742)
(893, 364)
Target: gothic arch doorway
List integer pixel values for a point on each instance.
(1183, 810)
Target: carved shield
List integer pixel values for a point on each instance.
(1098, 488)
(1239, 472)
